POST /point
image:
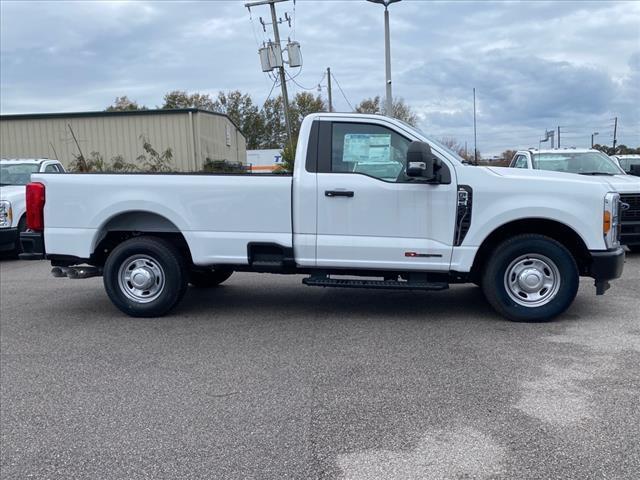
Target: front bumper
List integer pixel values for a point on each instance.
(8, 239)
(606, 265)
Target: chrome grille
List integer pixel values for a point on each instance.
(633, 212)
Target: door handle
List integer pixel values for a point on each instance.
(338, 193)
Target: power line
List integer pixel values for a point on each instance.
(293, 79)
(271, 91)
(342, 92)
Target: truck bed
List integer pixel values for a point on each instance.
(217, 214)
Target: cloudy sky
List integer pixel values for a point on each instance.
(535, 65)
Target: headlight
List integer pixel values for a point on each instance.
(611, 220)
(6, 215)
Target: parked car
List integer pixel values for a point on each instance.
(14, 175)
(629, 163)
(596, 164)
(524, 236)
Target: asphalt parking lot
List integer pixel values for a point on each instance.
(266, 378)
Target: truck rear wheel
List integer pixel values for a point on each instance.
(208, 278)
(145, 276)
(530, 278)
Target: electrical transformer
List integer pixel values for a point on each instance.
(270, 56)
(294, 54)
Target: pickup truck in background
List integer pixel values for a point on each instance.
(629, 163)
(14, 175)
(372, 203)
(593, 163)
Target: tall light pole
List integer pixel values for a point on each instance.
(593, 135)
(475, 137)
(387, 53)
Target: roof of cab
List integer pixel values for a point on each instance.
(559, 150)
(26, 160)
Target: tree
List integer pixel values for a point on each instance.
(181, 99)
(154, 161)
(453, 144)
(97, 163)
(241, 110)
(401, 110)
(303, 104)
(507, 156)
(272, 113)
(274, 134)
(620, 150)
(124, 104)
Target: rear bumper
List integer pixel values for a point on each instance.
(606, 265)
(8, 239)
(32, 245)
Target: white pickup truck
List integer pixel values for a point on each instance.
(372, 203)
(592, 163)
(14, 175)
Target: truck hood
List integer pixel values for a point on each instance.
(617, 183)
(12, 192)
(623, 183)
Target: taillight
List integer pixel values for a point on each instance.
(35, 206)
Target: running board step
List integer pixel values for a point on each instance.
(380, 284)
(267, 264)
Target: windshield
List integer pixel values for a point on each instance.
(17, 173)
(586, 163)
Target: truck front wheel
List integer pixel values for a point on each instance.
(530, 278)
(145, 276)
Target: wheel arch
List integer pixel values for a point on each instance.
(554, 229)
(124, 225)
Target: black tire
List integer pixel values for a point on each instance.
(156, 255)
(513, 254)
(634, 248)
(208, 278)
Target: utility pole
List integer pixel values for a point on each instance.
(593, 135)
(558, 136)
(615, 133)
(475, 138)
(329, 89)
(387, 59)
(283, 80)
(387, 54)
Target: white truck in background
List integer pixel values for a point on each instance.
(590, 162)
(15, 173)
(370, 198)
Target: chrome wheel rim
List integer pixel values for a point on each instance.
(532, 280)
(141, 278)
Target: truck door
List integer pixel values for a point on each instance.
(370, 215)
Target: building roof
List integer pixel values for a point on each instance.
(123, 113)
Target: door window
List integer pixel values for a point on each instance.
(370, 150)
(520, 162)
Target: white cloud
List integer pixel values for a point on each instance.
(535, 64)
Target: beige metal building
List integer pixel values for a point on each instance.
(193, 136)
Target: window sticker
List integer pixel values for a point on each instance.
(367, 147)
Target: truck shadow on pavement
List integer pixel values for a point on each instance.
(460, 302)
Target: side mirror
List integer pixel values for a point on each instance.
(421, 163)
